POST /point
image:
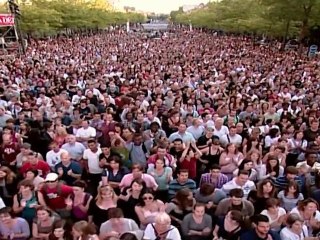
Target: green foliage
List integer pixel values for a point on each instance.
(269, 17)
(47, 17)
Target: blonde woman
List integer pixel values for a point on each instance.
(60, 135)
(83, 230)
(106, 199)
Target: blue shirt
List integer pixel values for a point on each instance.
(73, 166)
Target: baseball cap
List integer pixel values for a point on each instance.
(51, 177)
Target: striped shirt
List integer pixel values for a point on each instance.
(218, 183)
(175, 186)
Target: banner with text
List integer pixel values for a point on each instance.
(6, 20)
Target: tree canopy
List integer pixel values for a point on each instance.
(46, 17)
(269, 17)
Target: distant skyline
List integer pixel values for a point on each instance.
(156, 6)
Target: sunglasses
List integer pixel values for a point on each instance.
(147, 198)
(51, 181)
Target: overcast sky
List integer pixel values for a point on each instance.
(157, 6)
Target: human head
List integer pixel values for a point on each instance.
(162, 222)
(242, 177)
(52, 180)
(294, 222)
(291, 172)
(183, 175)
(261, 223)
(137, 170)
(43, 213)
(82, 229)
(5, 215)
(236, 196)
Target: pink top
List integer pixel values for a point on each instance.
(128, 178)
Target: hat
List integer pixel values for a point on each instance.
(26, 146)
(51, 177)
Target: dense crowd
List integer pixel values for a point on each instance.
(191, 136)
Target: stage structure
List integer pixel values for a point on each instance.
(11, 38)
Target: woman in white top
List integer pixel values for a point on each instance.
(275, 213)
(271, 169)
(295, 229)
(161, 229)
(308, 211)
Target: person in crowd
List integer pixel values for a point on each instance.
(162, 229)
(74, 148)
(27, 200)
(68, 170)
(209, 195)
(8, 185)
(53, 157)
(290, 197)
(241, 181)
(37, 181)
(113, 172)
(35, 164)
(59, 231)
(265, 190)
(179, 206)
(235, 201)
(295, 229)
(79, 201)
(197, 225)
(117, 224)
(43, 223)
(148, 208)
(163, 176)
(13, 227)
(137, 172)
(308, 211)
(291, 173)
(271, 169)
(55, 194)
(83, 230)
(247, 165)
(275, 214)
(214, 177)
(230, 227)
(182, 181)
(261, 229)
(105, 200)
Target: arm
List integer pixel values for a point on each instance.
(41, 199)
(16, 208)
(140, 215)
(25, 230)
(185, 225)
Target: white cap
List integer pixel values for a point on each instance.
(51, 177)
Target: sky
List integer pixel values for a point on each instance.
(157, 6)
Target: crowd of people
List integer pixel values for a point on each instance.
(191, 136)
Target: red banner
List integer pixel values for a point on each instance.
(6, 20)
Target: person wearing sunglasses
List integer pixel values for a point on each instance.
(148, 208)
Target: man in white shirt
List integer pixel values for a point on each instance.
(232, 137)
(91, 160)
(241, 181)
(219, 128)
(54, 155)
(85, 132)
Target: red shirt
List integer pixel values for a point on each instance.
(191, 166)
(9, 152)
(55, 197)
(42, 167)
